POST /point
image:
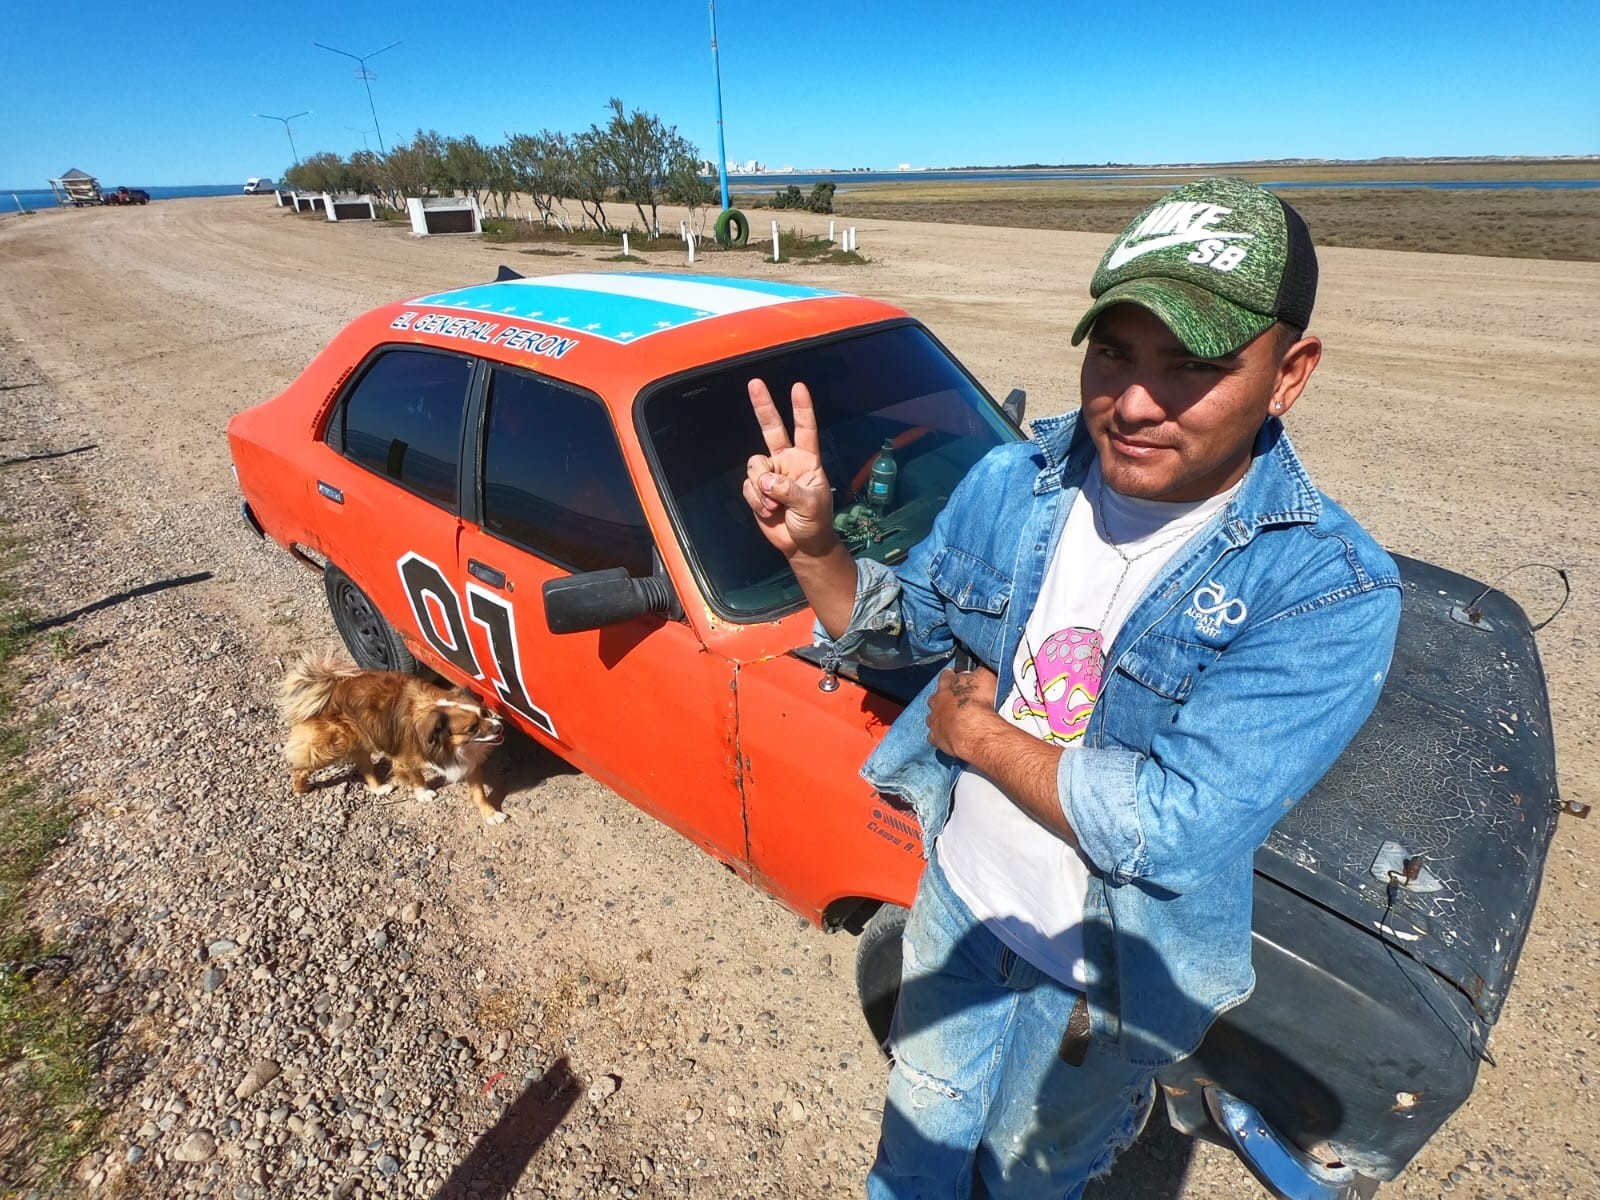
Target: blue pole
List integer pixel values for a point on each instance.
(716, 71)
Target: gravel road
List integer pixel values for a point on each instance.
(337, 995)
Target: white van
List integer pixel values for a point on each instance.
(257, 184)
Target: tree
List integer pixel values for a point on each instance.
(502, 180)
(467, 164)
(406, 168)
(686, 186)
(322, 172)
(366, 172)
(428, 149)
(592, 177)
(542, 165)
(643, 154)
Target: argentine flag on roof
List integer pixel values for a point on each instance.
(621, 307)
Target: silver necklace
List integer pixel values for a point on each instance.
(1104, 530)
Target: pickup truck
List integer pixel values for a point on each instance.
(532, 487)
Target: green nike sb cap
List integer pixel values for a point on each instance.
(1218, 261)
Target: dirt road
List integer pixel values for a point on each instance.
(1452, 414)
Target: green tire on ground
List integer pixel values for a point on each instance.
(733, 230)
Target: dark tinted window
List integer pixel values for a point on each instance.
(896, 385)
(403, 420)
(554, 480)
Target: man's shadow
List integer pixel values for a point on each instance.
(498, 1159)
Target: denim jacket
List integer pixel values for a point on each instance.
(1241, 673)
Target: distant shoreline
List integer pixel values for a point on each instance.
(1446, 167)
(1381, 171)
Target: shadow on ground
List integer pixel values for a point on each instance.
(520, 765)
(161, 585)
(498, 1159)
(1153, 1168)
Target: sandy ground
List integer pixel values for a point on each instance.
(1452, 414)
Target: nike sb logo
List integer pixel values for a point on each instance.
(1180, 223)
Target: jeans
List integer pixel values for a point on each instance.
(980, 1102)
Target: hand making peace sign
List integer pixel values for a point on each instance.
(786, 487)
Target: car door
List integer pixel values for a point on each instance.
(388, 480)
(641, 706)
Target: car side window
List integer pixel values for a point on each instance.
(402, 420)
(554, 479)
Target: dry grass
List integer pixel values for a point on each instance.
(48, 1062)
(1504, 223)
(1520, 223)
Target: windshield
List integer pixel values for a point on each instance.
(891, 386)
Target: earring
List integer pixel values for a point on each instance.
(1277, 406)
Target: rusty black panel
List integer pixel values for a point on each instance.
(1456, 770)
(1350, 1048)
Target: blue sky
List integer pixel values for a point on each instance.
(164, 93)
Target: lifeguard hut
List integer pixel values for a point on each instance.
(77, 189)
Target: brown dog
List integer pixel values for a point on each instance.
(340, 713)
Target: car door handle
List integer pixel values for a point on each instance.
(486, 573)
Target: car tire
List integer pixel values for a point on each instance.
(732, 229)
(371, 640)
(878, 969)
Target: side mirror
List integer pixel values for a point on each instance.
(596, 599)
(1014, 405)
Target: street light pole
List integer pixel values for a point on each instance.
(366, 77)
(716, 70)
(287, 130)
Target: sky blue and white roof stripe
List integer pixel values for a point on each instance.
(619, 307)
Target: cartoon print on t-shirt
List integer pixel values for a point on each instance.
(1064, 675)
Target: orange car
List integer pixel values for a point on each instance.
(445, 459)
(532, 487)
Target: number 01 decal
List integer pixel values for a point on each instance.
(434, 603)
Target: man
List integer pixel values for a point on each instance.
(1175, 635)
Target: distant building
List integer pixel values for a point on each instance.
(76, 188)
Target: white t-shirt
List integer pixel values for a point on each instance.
(1023, 882)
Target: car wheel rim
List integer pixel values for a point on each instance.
(365, 625)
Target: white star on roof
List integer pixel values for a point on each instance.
(663, 324)
(592, 325)
(563, 320)
(624, 335)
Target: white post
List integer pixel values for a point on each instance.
(853, 242)
(683, 230)
(775, 242)
(624, 245)
(688, 236)
(830, 232)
